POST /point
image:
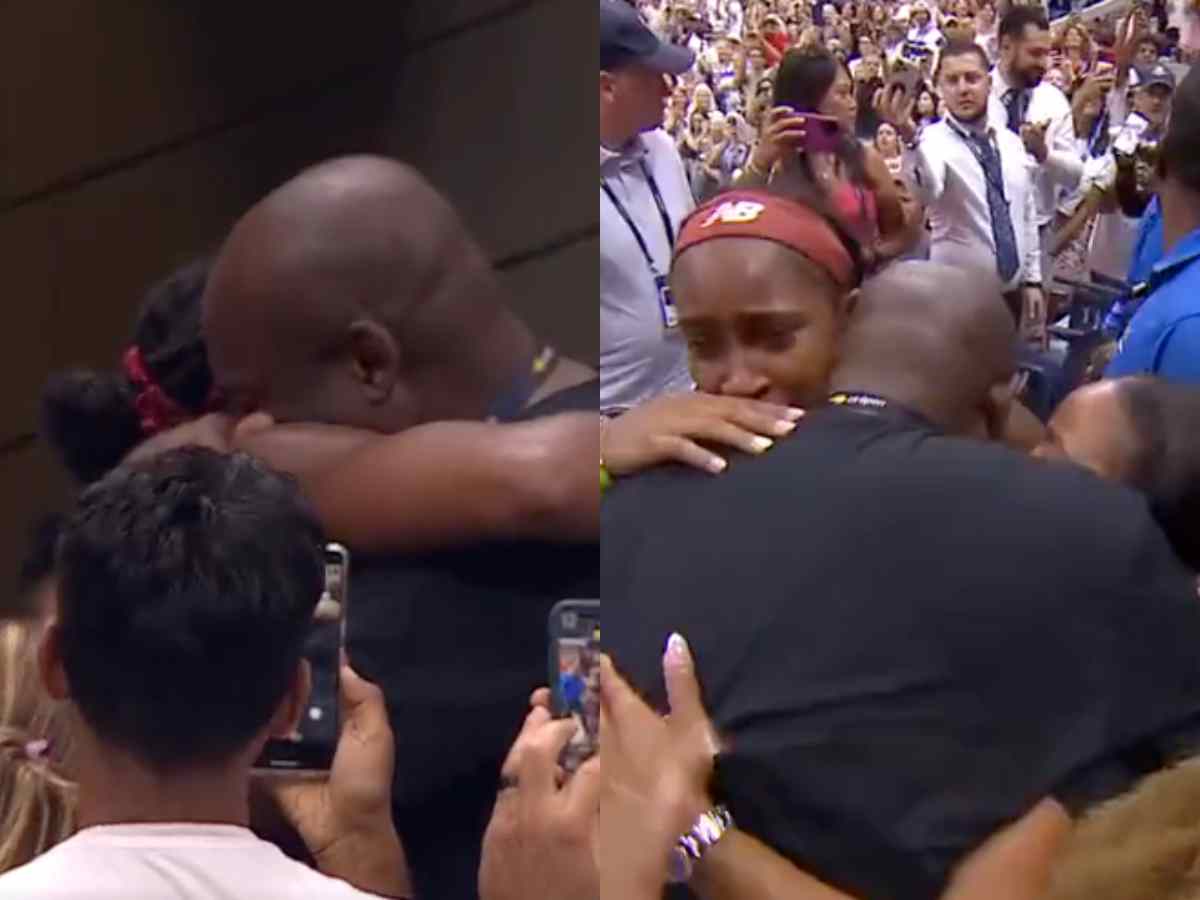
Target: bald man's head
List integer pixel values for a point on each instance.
(935, 339)
(353, 294)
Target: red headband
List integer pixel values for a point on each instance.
(759, 214)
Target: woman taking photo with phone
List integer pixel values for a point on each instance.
(808, 140)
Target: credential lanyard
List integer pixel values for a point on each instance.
(866, 403)
(662, 212)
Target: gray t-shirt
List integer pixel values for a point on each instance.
(640, 357)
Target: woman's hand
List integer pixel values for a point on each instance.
(783, 133)
(541, 841)
(655, 773)
(667, 430)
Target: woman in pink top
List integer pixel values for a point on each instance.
(853, 179)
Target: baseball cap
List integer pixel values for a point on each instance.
(1156, 74)
(624, 39)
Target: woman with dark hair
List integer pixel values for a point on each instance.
(853, 179)
(925, 110)
(764, 282)
(1142, 432)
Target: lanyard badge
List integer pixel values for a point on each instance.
(666, 302)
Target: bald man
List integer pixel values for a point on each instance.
(353, 295)
(907, 636)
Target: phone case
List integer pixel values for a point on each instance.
(574, 649)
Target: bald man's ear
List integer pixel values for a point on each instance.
(376, 360)
(997, 410)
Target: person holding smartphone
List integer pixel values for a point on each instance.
(974, 180)
(809, 138)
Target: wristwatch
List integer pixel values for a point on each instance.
(691, 847)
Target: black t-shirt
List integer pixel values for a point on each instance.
(457, 641)
(908, 639)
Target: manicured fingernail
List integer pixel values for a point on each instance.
(795, 413)
(761, 444)
(783, 426)
(677, 648)
(716, 465)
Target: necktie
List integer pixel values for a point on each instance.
(1015, 104)
(1007, 261)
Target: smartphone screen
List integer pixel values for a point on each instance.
(312, 745)
(822, 134)
(575, 675)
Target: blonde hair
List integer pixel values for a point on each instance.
(37, 803)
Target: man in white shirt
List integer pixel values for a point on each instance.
(186, 587)
(644, 196)
(974, 182)
(1035, 110)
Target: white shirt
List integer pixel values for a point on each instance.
(169, 862)
(640, 357)
(949, 180)
(1063, 167)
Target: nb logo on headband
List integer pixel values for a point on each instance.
(734, 213)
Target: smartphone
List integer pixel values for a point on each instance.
(574, 631)
(822, 134)
(312, 745)
(904, 79)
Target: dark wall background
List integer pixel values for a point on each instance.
(132, 134)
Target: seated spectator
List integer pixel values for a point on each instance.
(186, 587)
(887, 144)
(925, 110)
(37, 801)
(1145, 54)
(1075, 52)
(987, 28)
(881, 727)
(923, 31)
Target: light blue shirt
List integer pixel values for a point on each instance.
(1163, 338)
(640, 358)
